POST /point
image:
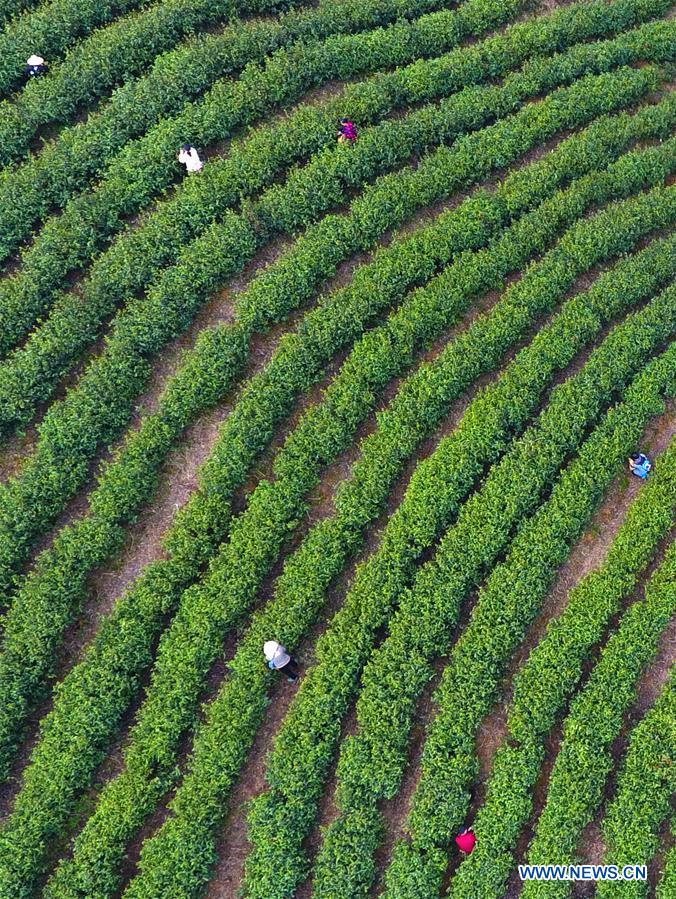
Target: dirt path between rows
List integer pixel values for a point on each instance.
(657, 865)
(591, 846)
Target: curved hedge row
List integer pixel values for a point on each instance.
(541, 688)
(48, 600)
(131, 45)
(644, 791)
(10, 8)
(595, 719)
(97, 408)
(29, 375)
(305, 743)
(146, 166)
(53, 780)
(192, 638)
(397, 672)
(51, 29)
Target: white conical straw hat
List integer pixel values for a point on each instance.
(34, 60)
(270, 648)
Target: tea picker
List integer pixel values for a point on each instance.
(347, 133)
(189, 157)
(35, 65)
(466, 840)
(278, 659)
(639, 465)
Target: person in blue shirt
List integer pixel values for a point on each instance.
(639, 465)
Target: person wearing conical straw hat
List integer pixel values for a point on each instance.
(278, 659)
(35, 65)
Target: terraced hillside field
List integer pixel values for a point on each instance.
(373, 400)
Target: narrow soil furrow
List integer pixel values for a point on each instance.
(653, 680)
(232, 846)
(327, 809)
(591, 847)
(552, 745)
(395, 811)
(14, 450)
(656, 869)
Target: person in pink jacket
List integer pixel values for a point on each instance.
(466, 840)
(347, 133)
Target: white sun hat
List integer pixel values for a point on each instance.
(34, 60)
(269, 649)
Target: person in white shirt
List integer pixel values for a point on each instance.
(189, 157)
(35, 65)
(278, 659)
